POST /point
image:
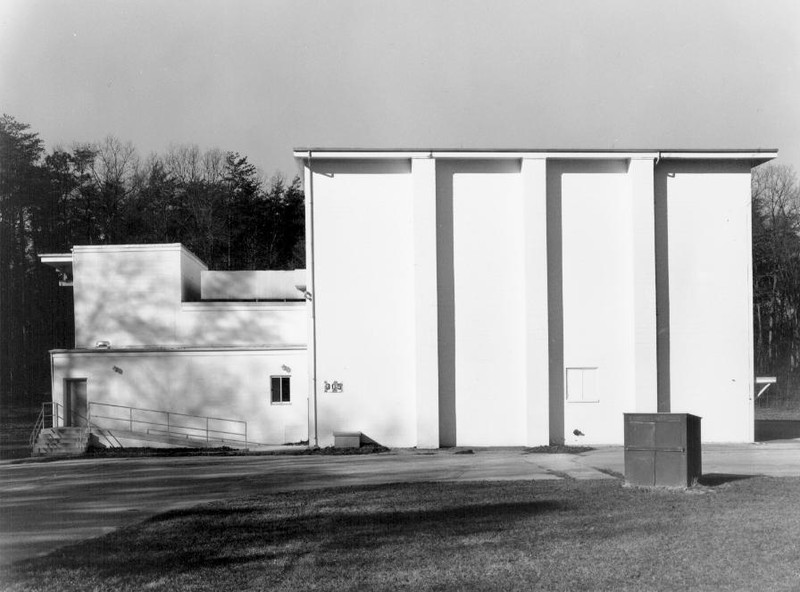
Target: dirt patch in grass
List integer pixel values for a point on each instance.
(567, 535)
(558, 449)
(221, 451)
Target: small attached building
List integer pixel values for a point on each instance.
(156, 332)
(519, 298)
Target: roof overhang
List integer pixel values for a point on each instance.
(62, 263)
(755, 156)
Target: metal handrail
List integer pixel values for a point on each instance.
(173, 428)
(87, 428)
(37, 428)
(55, 416)
(170, 427)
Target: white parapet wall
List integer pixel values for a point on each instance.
(242, 324)
(253, 285)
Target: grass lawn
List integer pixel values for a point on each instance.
(16, 425)
(556, 535)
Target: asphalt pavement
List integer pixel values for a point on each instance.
(46, 505)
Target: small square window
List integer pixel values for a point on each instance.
(280, 389)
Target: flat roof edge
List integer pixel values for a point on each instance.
(131, 247)
(180, 247)
(167, 349)
(712, 153)
(53, 258)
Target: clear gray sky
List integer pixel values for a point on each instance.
(262, 77)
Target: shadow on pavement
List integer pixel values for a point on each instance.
(776, 429)
(714, 479)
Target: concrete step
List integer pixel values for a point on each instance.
(61, 442)
(66, 438)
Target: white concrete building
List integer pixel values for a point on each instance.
(503, 298)
(518, 298)
(156, 332)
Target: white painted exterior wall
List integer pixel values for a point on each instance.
(627, 274)
(141, 295)
(130, 295)
(229, 384)
(710, 296)
(252, 284)
(364, 298)
(242, 323)
(596, 208)
(489, 337)
(169, 351)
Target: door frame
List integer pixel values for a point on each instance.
(74, 417)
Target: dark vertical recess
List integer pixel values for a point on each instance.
(662, 288)
(555, 300)
(445, 283)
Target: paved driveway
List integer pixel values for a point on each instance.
(44, 506)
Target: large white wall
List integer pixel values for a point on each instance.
(710, 295)
(628, 275)
(127, 294)
(364, 299)
(597, 297)
(489, 296)
(223, 384)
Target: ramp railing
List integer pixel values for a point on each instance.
(170, 424)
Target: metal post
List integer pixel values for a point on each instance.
(206, 430)
(131, 409)
(168, 432)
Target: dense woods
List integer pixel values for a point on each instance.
(776, 280)
(221, 208)
(214, 202)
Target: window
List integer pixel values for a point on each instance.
(582, 385)
(280, 389)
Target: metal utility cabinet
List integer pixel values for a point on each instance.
(662, 449)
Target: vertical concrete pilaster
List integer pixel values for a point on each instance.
(537, 373)
(644, 285)
(308, 190)
(426, 348)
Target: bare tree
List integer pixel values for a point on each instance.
(113, 171)
(776, 272)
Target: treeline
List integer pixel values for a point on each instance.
(214, 202)
(776, 280)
